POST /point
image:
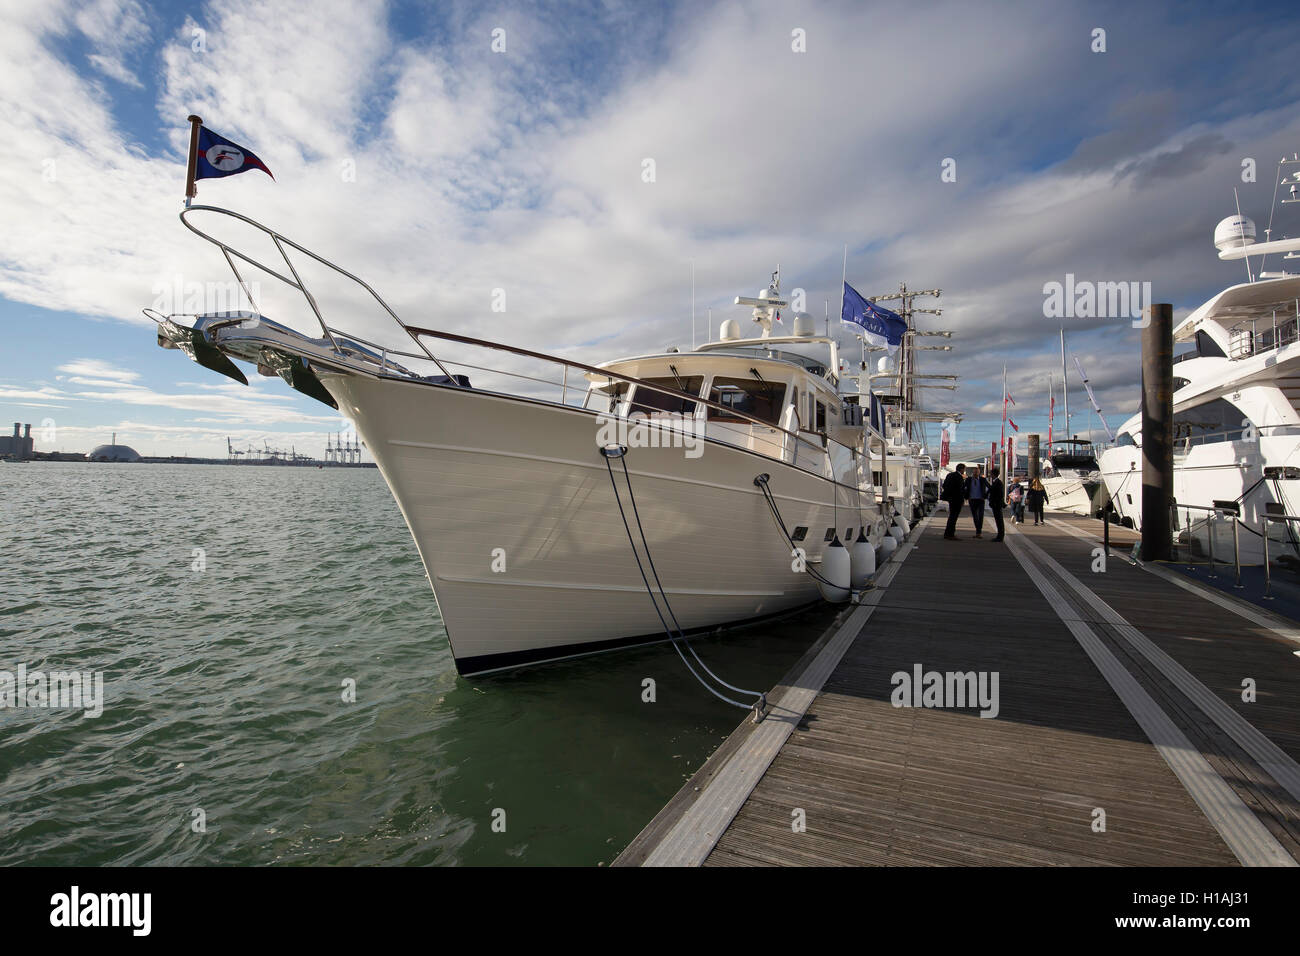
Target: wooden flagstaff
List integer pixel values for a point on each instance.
(192, 166)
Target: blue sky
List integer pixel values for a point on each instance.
(477, 170)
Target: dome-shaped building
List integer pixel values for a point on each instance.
(114, 453)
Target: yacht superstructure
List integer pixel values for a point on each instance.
(1072, 478)
(1236, 400)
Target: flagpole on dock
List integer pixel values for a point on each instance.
(1003, 446)
(1065, 385)
(192, 165)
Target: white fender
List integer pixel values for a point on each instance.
(862, 560)
(888, 545)
(835, 568)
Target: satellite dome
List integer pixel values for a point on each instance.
(1234, 232)
(114, 453)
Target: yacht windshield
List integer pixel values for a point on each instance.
(750, 396)
(648, 400)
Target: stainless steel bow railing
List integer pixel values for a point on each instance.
(565, 374)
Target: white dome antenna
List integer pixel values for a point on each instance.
(1234, 232)
(767, 304)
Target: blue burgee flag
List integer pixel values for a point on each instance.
(218, 156)
(879, 325)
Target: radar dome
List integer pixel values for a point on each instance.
(804, 324)
(1234, 232)
(729, 331)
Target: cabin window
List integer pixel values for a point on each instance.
(820, 424)
(800, 533)
(1215, 421)
(1124, 438)
(748, 396)
(1206, 346)
(606, 398)
(830, 535)
(648, 400)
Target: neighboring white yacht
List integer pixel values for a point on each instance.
(745, 468)
(1072, 478)
(1236, 389)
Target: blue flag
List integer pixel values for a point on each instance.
(879, 325)
(218, 156)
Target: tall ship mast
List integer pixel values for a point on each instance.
(898, 386)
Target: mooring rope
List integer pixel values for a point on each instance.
(761, 482)
(760, 702)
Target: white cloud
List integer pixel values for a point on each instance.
(116, 28)
(98, 370)
(477, 171)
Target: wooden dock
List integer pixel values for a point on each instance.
(1121, 736)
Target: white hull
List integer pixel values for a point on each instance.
(1080, 496)
(483, 478)
(1222, 471)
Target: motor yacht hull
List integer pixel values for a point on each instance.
(1080, 496)
(511, 507)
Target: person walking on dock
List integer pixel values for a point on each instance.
(997, 495)
(1037, 498)
(977, 492)
(1016, 498)
(953, 493)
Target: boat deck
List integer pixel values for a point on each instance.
(1121, 735)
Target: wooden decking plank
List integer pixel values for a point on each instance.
(881, 785)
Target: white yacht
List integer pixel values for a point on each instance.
(1072, 478)
(1236, 389)
(563, 509)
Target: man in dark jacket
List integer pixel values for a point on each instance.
(953, 493)
(977, 493)
(997, 494)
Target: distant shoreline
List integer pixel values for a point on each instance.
(177, 460)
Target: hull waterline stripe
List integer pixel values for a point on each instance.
(472, 665)
(574, 586)
(694, 836)
(1240, 829)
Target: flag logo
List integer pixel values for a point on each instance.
(225, 158)
(875, 323)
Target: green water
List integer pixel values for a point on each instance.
(223, 688)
